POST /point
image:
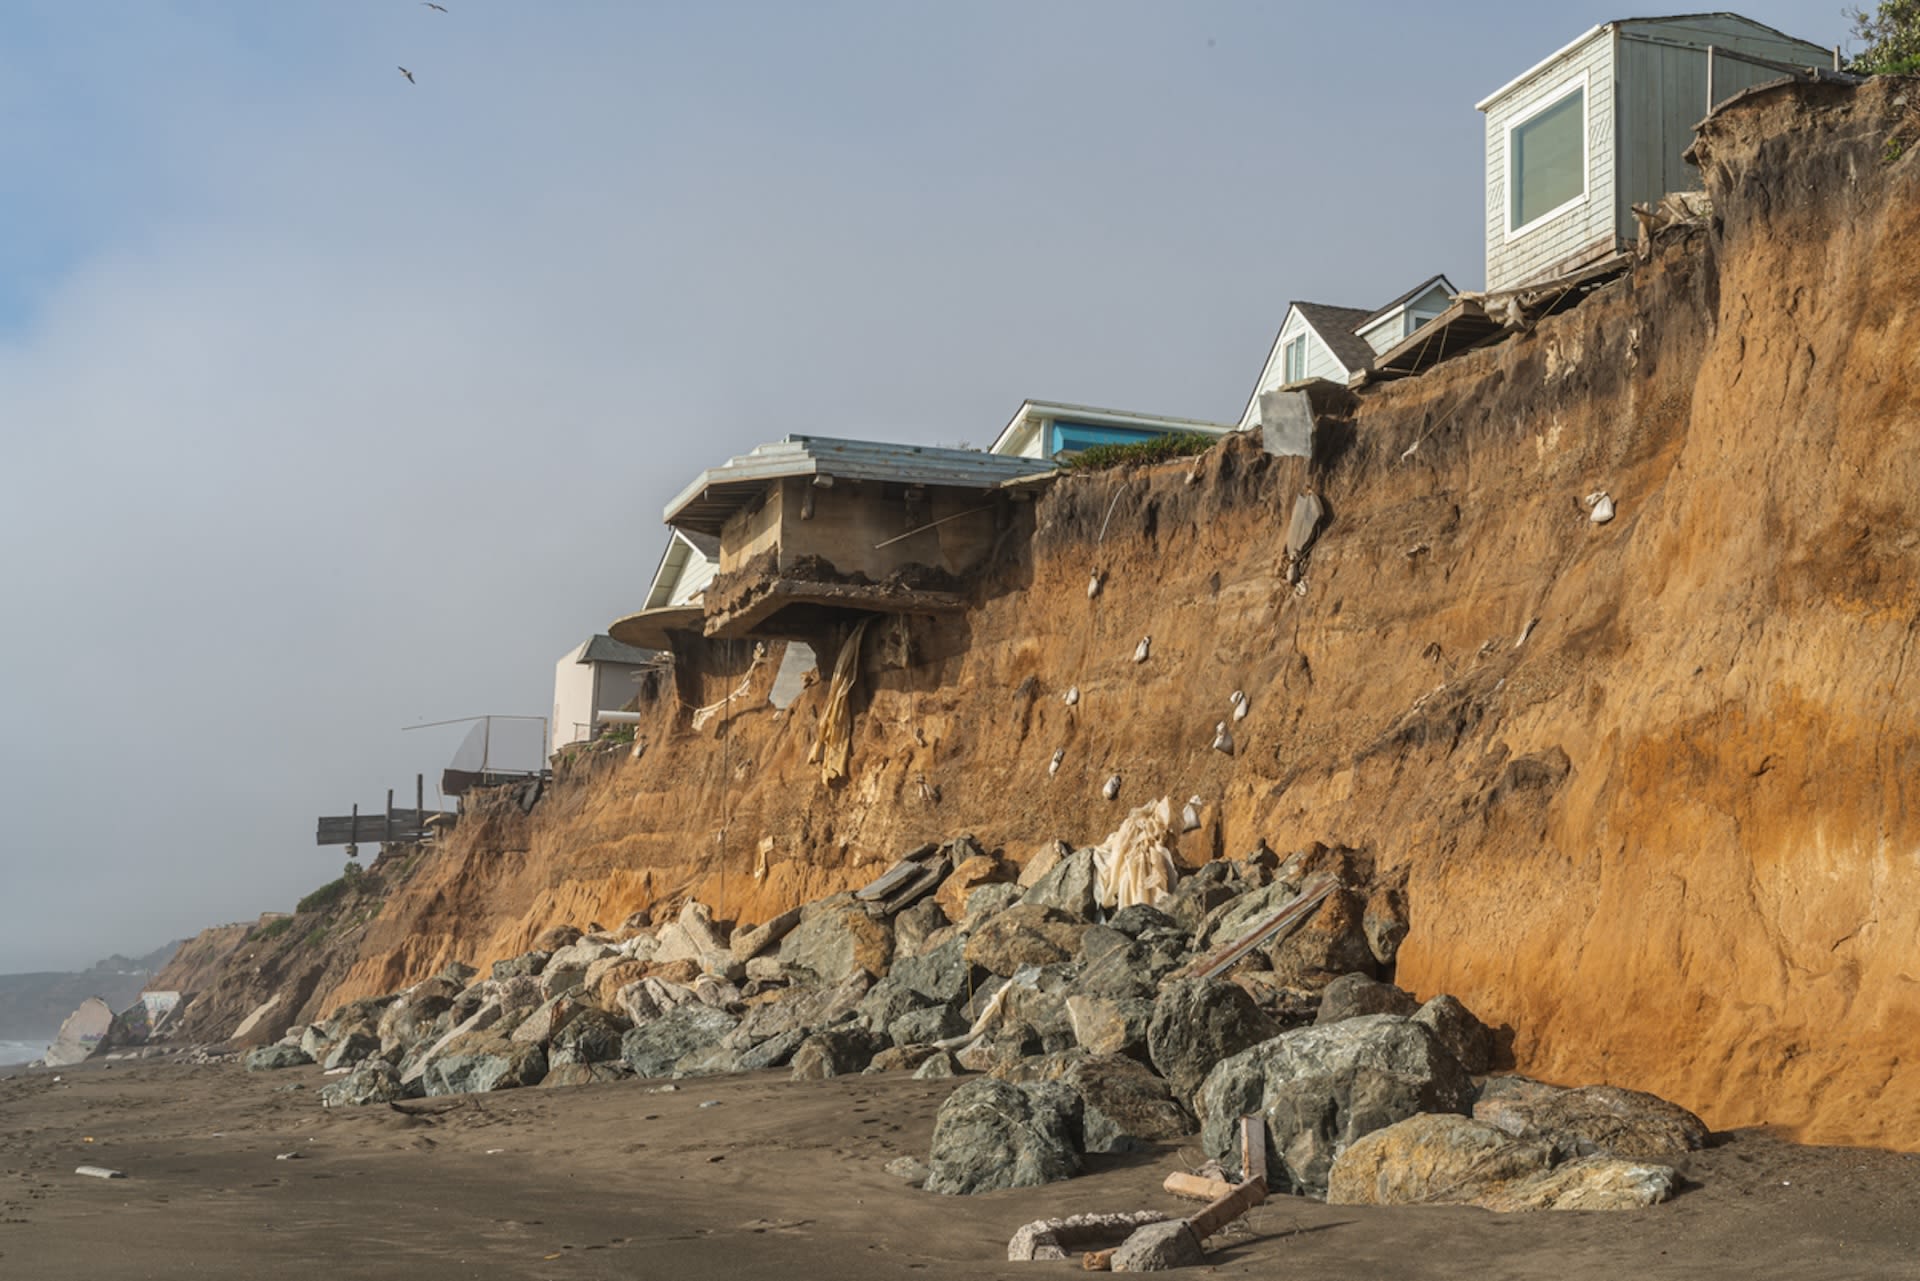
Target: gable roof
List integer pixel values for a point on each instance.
(682, 546)
(1438, 278)
(605, 649)
(1335, 325)
(719, 492)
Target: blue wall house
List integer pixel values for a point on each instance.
(1044, 429)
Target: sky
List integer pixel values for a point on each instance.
(332, 403)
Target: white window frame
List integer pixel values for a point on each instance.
(1579, 84)
(1286, 347)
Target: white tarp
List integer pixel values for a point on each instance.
(81, 1035)
(1134, 865)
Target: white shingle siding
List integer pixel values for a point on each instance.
(1539, 249)
(1321, 363)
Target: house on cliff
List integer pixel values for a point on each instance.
(1045, 429)
(812, 531)
(1602, 124)
(1317, 340)
(598, 677)
(674, 599)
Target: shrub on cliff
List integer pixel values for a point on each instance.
(1891, 34)
(1157, 450)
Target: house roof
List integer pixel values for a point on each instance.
(1031, 411)
(605, 649)
(682, 546)
(1335, 325)
(719, 492)
(1593, 31)
(1438, 278)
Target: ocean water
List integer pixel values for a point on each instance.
(16, 1052)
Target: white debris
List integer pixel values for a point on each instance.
(1240, 704)
(1112, 789)
(98, 1172)
(1093, 584)
(1600, 504)
(1190, 816)
(1222, 739)
(1053, 766)
(1072, 696)
(1140, 650)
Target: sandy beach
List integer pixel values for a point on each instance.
(774, 1178)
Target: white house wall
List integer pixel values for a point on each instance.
(694, 576)
(1514, 262)
(573, 691)
(1321, 363)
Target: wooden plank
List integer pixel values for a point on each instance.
(1280, 921)
(1196, 1188)
(1253, 1148)
(400, 826)
(1227, 1209)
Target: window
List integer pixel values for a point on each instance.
(1296, 360)
(1547, 160)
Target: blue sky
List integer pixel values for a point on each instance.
(331, 403)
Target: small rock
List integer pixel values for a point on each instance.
(1352, 995)
(910, 1170)
(1159, 1247)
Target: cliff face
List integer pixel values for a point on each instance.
(1651, 785)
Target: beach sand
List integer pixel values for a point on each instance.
(775, 1179)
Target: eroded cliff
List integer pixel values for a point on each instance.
(1650, 785)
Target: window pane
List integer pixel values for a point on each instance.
(1296, 359)
(1549, 156)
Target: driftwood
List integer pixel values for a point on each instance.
(1227, 1209)
(1253, 1148)
(1273, 926)
(1195, 1187)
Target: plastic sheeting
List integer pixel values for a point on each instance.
(1134, 865)
(833, 750)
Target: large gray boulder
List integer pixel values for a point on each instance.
(926, 1025)
(482, 1061)
(836, 937)
(354, 1047)
(372, 1081)
(838, 1051)
(1106, 1025)
(1321, 1088)
(1591, 1120)
(1025, 934)
(653, 1048)
(1466, 1037)
(526, 964)
(941, 976)
(1353, 995)
(993, 1134)
(1199, 1022)
(592, 1036)
(1124, 1105)
(270, 1058)
(1068, 887)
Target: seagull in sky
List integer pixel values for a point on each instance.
(431, 5)
(408, 75)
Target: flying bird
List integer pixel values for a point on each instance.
(431, 5)
(408, 75)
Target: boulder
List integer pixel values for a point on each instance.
(556, 937)
(690, 936)
(887, 1000)
(605, 977)
(456, 974)
(989, 900)
(1352, 995)
(1194, 900)
(1113, 965)
(993, 1134)
(647, 999)
(566, 1074)
(1196, 1024)
(1124, 1105)
(1110, 1025)
(1025, 934)
(1327, 944)
(527, 963)
(1433, 1158)
(1384, 921)
(354, 1047)
(410, 1020)
(1593, 1120)
(837, 936)
(926, 1025)
(484, 1060)
(1591, 1183)
(371, 1081)
(315, 1042)
(913, 926)
(1236, 913)
(968, 875)
(538, 1028)
(1042, 861)
(271, 1058)
(651, 1049)
(487, 1016)
(901, 1058)
(1036, 998)
(839, 1051)
(747, 943)
(938, 1067)
(593, 1036)
(1067, 887)
(1321, 1088)
(579, 955)
(775, 1051)
(1466, 1037)
(1142, 918)
(1159, 1247)
(519, 997)
(942, 975)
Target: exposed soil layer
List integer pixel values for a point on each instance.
(1651, 785)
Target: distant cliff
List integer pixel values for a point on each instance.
(1650, 785)
(32, 1006)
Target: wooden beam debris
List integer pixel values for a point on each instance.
(1196, 1187)
(1227, 1209)
(1253, 1148)
(1273, 926)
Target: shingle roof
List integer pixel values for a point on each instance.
(1335, 325)
(1438, 278)
(605, 649)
